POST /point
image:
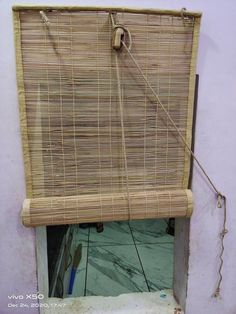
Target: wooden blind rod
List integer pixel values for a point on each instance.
(107, 9)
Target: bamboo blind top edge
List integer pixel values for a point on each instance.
(108, 9)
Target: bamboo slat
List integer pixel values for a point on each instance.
(70, 118)
(107, 207)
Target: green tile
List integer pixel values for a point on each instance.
(157, 261)
(150, 231)
(115, 233)
(113, 270)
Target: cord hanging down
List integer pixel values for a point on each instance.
(118, 33)
(221, 199)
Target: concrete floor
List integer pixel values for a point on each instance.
(161, 302)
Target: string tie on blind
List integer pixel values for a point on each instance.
(44, 18)
(183, 11)
(221, 199)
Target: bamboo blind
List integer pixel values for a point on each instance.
(70, 118)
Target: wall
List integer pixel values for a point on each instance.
(17, 244)
(215, 146)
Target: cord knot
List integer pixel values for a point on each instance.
(220, 199)
(217, 293)
(223, 233)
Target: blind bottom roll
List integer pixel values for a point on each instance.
(106, 207)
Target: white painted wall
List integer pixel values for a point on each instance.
(215, 145)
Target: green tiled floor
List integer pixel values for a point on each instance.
(113, 270)
(126, 257)
(115, 233)
(157, 261)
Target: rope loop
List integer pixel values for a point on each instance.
(124, 28)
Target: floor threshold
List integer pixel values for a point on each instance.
(160, 302)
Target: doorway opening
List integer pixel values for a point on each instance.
(122, 257)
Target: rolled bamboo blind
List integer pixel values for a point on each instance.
(71, 122)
